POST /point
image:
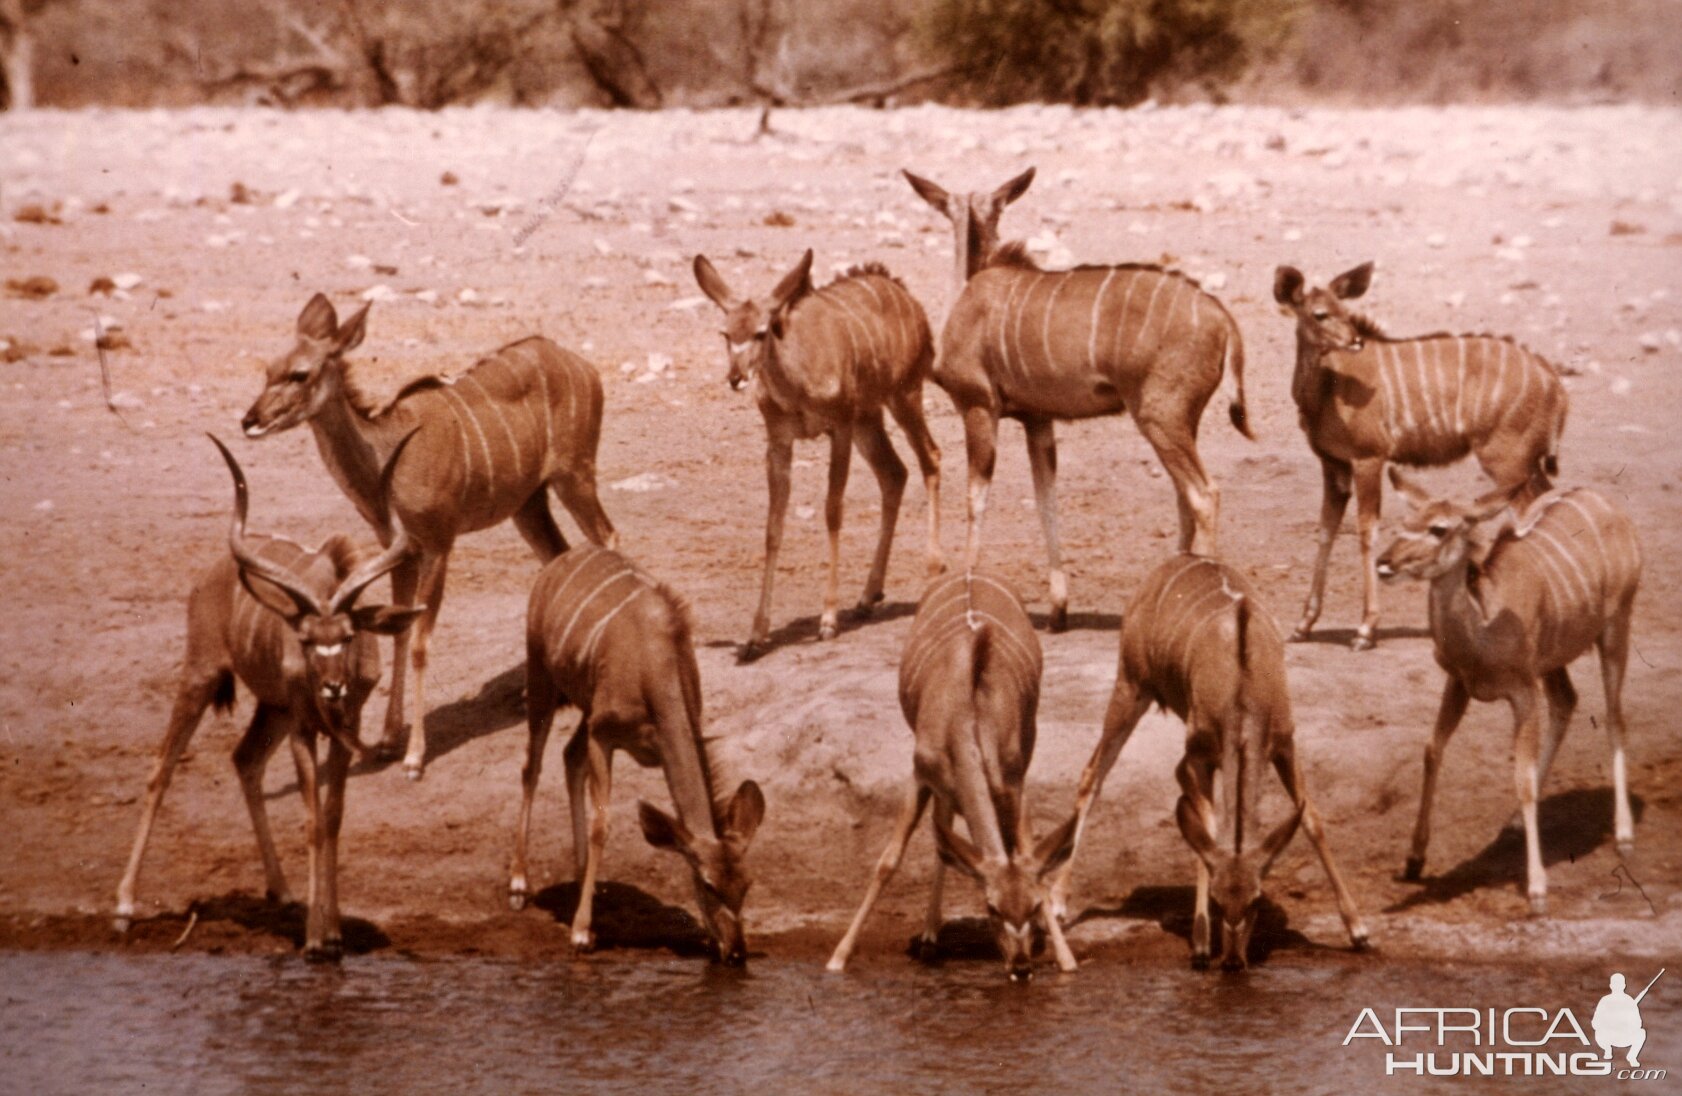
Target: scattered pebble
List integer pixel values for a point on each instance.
(34, 288)
(643, 482)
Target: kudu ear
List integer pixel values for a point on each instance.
(712, 284)
(663, 831)
(1488, 505)
(1409, 487)
(385, 620)
(1287, 285)
(1055, 848)
(318, 320)
(1195, 832)
(1014, 189)
(1279, 838)
(350, 333)
(1352, 283)
(744, 814)
(930, 192)
(795, 284)
(271, 597)
(956, 851)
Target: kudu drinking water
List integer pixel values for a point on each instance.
(1195, 641)
(604, 637)
(487, 447)
(828, 361)
(969, 685)
(283, 620)
(1364, 399)
(1510, 610)
(1041, 346)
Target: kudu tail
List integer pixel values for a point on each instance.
(1233, 363)
(1242, 609)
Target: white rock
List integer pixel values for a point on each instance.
(603, 248)
(686, 304)
(426, 296)
(1651, 342)
(126, 281)
(1620, 386)
(643, 482)
(468, 296)
(286, 199)
(1215, 281)
(381, 292)
(1292, 235)
(627, 367)
(358, 262)
(659, 363)
(213, 307)
(1436, 239)
(682, 205)
(805, 513)
(127, 401)
(595, 281)
(1455, 299)
(44, 506)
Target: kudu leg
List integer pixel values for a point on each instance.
(302, 741)
(1196, 779)
(840, 463)
(1290, 774)
(1369, 499)
(251, 757)
(886, 865)
(431, 593)
(927, 945)
(1614, 656)
(871, 438)
(907, 409)
(578, 495)
(191, 699)
(405, 580)
(601, 789)
(333, 773)
(1526, 732)
(1334, 503)
(1561, 696)
(1126, 708)
(981, 436)
(576, 760)
(1449, 714)
(779, 459)
(540, 716)
(1042, 462)
(536, 523)
(1196, 496)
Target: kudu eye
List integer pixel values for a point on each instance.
(1439, 529)
(1322, 314)
(298, 376)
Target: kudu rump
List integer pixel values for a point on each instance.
(603, 636)
(1195, 641)
(1510, 611)
(1364, 398)
(487, 446)
(1041, 346)
(284, 621)
(828, 361)
(969, 685)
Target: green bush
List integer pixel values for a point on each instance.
(1102, 52)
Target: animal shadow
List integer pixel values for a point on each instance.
(1171, 908)
(628, 917)
(500, 703)
(261, 917)
(805, 629)
(1342, 637)
(1572, 823)
(1080, 622)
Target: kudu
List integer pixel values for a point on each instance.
(1510, 611)
(1195, 640)
(828, 361)
(1042, 346)
(969, 686)
(284, 621)
(1364, 398)
(488, 444)
(603, 636)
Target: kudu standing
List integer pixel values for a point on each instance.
(604, 637)
(1041, 346)
(1195, 641)
(1509, 613)
(487, 446)
(1364, 398)
(283, 620)
(969, 685)
(827, 361)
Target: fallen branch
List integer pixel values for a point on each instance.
(192, 921)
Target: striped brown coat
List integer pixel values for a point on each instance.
(487, 446)
(1365, 399)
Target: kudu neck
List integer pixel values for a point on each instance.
(353, 446)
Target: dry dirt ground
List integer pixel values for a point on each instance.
(471, 228)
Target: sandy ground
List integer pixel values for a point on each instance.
(1562, 227)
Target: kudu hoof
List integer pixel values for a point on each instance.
(414, 770)
(1199, 962)
(1538, 905)
(826, 631)
(751, 651)
(583, 942)
(923, 949)
(1626, 847)
(1059, 622)
(1301, 632)
(121, 924)
(1359, 942)
(330, 951)
(1361, 642)
(1415, 869)
(516, 900)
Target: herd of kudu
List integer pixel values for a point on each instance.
(1522, 580)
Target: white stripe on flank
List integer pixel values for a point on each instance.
(1162, 595)
(513, 440)
(1498, 369)
(561, 648)
(854, 316)
(1393, 363)
(1195, 612)
(1427, 415)
(1460, 388)
(1016, 282)
(587, 653)
(1523, 365)
(451, 401)
(1045, 323)
(1594, 527)
(548, 460)
(1549, 573)
(1196, 295)
(1092, 322)
(1120, 319)
(1022, 311)
(846, 319)
(1563, 551)
(1150, 306)
(1435, 385)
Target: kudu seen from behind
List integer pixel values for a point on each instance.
(1364, 399)
(487, 447)
(829, 361)
(603, 636)
(1045, 346)
(969, 686)
(284, 621)
(1195, 641)
(1510, 609)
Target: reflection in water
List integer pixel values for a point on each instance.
(74, 1022)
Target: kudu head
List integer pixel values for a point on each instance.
(327, 621)
(299, 383)
(1235, 878)
(753, 325)
(720, 876)
(1322, 321)
(1014, 887)
(1437, 535)
(974, 216)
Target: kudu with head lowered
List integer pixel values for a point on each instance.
(828, 361)
(284, 621)
(603, 636)
(1510, 610)
(969, 685)
(1042, 346)
(1195, 641)
(487, 446)
(1364, 399)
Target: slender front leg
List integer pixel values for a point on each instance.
(1042, 460)
(1285, 763)
(1614, 656)
(840, 462)
(871, 437)
(927, 946)
(601, 787)
(1197, 783)
(1526, 732)
(334, 771)
(540, 716)
(1127, 707)
(576, 759)
(981, 435)
(1060, 949)
(251, 757)
(886, 865)
(1333, 504)
(779, 458)
(405, 581)
(302, 741)
(1369, 499)
(1449, 714)
(431, 593)
(907, 409)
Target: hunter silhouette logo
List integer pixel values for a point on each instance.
(1617, 1019)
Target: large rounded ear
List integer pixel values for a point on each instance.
(385, 620)
(1409, 487)
(1278, 839)
(1056, 847)
(1195, 832)
(795, 284)
(1287, 285)
(744, 814)
(276, 599)
(1352, 283)
(930, 192)
(350, 333)
(1014, 189)
(318, 320)
(712, 284)
(956, 851)
(1488, 505)
(663, 831)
